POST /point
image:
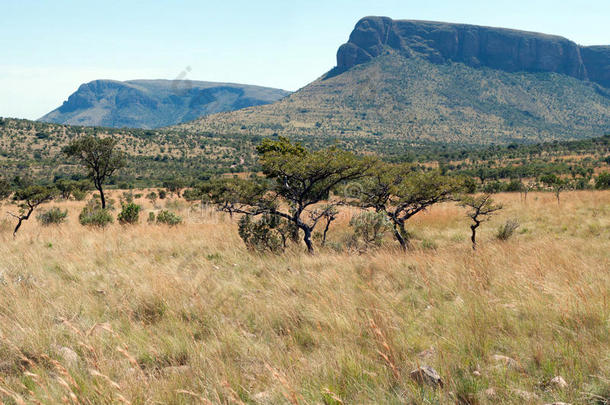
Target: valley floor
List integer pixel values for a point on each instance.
(151, 314)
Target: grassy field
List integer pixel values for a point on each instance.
(148, 314)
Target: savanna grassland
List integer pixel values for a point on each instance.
(149, 314)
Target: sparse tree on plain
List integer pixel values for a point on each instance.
(28, 200)
(401, 191)
(100, 156)
(297, 180)
(481, 208)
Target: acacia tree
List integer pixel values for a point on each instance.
(29, 199)
(296, 180)
(100, 156)
(556, 184)
(481, 208)
(400, 191)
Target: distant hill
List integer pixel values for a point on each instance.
(439, 82)
(155, 103)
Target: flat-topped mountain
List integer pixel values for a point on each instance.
(498, 48)
(155, 103)
(425, 81)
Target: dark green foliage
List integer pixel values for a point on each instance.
(168, 218)
(261, 234)
(162, 194)
(100, 156)
(130, 213)
(603, 181)
(174, 185)
(5, 189)
(296, 179)
(400, 191)
(152, 197)
(54, 216)
(28, 199)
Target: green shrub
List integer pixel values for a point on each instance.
(262, 235)
(603, 181)
(162, 194)
(151, 217)
(370, 227)
(168, 217)
(94, 215)
(130, 213)
(53, 216)
(79, 195)
(507, 230)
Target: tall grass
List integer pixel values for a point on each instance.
(185, 314)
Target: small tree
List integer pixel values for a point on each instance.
(481, 208)
(401, 191)
(100, 156)
(29, 199)
(174, 186)
(152, 197)
(556, 184)
(298, 180)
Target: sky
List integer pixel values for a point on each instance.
(50, 47)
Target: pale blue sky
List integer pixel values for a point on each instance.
(50, 47)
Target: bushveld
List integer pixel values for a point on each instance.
(154, 314)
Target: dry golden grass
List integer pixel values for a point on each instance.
(187, 315)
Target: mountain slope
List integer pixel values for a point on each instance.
(403, 87)
(155, 103)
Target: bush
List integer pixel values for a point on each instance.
(79, 195)
(370, 227)
(94, 215)
(169, 218)
(162, 194)
(130, 213)
(261, 235)
(151, 217)
(603, 181)
(507, 230)
(53, 216)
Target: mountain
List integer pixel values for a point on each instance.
(155, 103)
(496, 48)
(439, 82)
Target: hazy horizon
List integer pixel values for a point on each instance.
(51, 49)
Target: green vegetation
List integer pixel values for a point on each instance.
(53, 216)
(100, 156)
(168, 218)
(130, 213)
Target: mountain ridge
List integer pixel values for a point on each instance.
(499, 48)
(155, 103)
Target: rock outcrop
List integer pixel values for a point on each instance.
(477, 46)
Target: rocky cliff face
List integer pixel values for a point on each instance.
(497, 48)
(155, 103)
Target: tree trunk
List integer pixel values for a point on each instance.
(328, 221)
(399, 232)
(102, 197)
(22, 218)
(307, 239)
(473, 237)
